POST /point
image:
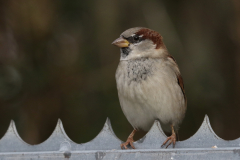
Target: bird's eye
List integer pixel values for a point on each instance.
(136, 38)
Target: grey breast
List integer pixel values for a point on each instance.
(139, 70)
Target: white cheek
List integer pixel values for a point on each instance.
(137, 44)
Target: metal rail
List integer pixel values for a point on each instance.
(204, 144)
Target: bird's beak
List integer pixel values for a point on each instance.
(121, 42)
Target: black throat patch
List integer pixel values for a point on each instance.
(125, 52)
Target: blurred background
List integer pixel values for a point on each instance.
(57, 61)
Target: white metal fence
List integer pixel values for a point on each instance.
(204, 144)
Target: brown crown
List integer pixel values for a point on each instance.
(152, 35)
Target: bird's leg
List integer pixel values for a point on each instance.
(129, 140)
(171, 139)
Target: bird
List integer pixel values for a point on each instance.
(150, 86)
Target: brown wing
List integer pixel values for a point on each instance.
(180, 80)
(180, 83)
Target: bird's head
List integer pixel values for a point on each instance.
(140, 42)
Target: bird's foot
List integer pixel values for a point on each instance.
(171, 139)
(128, 142)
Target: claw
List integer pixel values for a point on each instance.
(170, 140)
(131, 144)
(129, 141)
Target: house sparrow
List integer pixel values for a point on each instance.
(150, 86)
